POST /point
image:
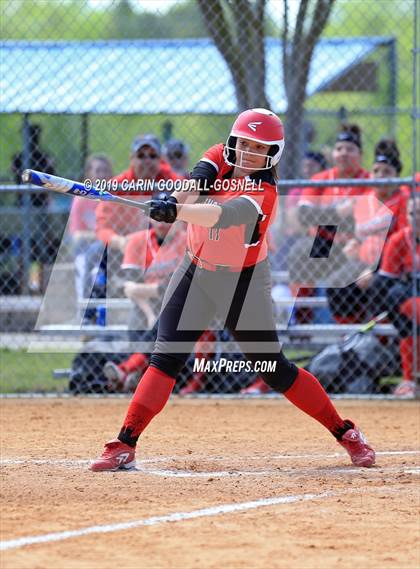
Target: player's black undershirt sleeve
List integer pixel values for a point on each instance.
(204, 174)
(238, 212)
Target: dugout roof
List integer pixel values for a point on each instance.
(151, 76)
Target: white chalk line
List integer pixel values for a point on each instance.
(175, 517)
(177, 472)
(276, 472)
(415, 470)
(203, 458)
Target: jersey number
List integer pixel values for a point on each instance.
(214, 234)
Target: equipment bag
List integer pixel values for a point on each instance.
(354, 365)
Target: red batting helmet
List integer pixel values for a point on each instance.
(260, 125)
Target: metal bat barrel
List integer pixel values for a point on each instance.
(63, 185)
(71, 187)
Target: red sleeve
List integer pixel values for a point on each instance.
(214, 156)
(401, 220)
(136, 251)
(392, 259)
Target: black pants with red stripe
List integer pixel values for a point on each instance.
(242, 301)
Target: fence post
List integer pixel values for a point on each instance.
(414, 117)
(26, 209)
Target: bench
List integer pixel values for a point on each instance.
(314, 334)
(15, 303)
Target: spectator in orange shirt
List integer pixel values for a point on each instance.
(383, 212)
(115, 223)
(392, 290)
(321, 210)
(82, 219)
(150, 259)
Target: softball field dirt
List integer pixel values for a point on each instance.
(219, 484)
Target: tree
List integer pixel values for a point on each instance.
(237, 29)
(298, 45)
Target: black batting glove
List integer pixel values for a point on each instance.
(163, 210)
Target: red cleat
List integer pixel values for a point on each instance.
(356, 445)
(259, 387)
(116, 456)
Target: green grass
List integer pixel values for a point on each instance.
(22, 372)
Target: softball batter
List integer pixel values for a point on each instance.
(230, 202)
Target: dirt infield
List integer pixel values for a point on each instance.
(291, 498)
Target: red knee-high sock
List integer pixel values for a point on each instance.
(406, 351)
(309, 396)
(149, 399)
(136, 362)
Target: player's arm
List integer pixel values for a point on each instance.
(240, 211)
(189, 194)
(205, 215)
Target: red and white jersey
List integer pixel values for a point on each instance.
(376, 220)
(373, 216)
(331, 196)
(398, 255)
(240, 245)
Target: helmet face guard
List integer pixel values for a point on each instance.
(258, 125)
(234, 157)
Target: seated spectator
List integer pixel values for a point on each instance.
(176, 153)
(115, 223)
(321, 210)
(287, 228)
(376, 218)
(392, 290)
(150, 258)
(82, 219)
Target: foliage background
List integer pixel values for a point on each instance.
(80, 20)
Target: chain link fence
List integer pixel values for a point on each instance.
(98, 90)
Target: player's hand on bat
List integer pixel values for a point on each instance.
(163, 209)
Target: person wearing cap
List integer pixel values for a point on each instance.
(321, 210)
(176, 153)
(380, 215)
(114, 223)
